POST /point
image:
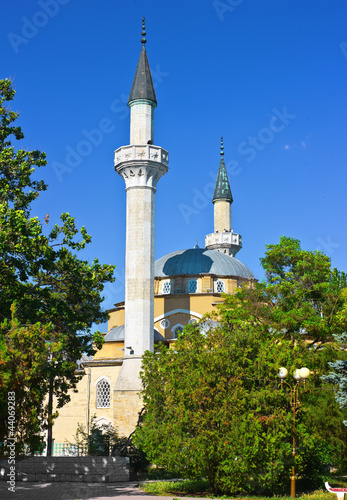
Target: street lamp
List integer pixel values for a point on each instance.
(299, 375)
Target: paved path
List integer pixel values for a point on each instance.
(77, 491)
(69, 491)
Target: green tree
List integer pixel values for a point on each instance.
(212, 407)
(42, 282)
(23, 361)
(302, 298)
(338, 377)
(301, 294)
(104, 440)
(97, 440)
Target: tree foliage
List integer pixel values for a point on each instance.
(96, 440)
(301, 294)
(338, 377)
(212, 409)
(212, 405)
(23, 360)
(42, 282)
(104, 440)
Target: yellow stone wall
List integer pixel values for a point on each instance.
(127, 406)
(78, 410)
(177, 308)
(116, 317)
(110, 350)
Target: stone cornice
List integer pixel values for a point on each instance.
(104, 362)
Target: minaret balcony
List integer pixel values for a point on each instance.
(224, 241)
(140, 154)
(225, 237)
(141, 166)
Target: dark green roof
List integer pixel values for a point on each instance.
(222, 189)
(142, 87)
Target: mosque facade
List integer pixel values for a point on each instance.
(160, 297)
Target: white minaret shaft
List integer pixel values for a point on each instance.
(141, 121)
(139, 271)
(141, 164)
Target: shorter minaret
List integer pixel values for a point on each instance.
(223, 239)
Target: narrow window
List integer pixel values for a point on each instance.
(103, 394)
(220, 285)
(192, 286)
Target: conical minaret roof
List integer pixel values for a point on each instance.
(142, 87)
(222, 189)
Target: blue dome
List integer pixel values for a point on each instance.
(195, 261)
(117, 333)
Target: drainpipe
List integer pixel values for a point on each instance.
(88, 373)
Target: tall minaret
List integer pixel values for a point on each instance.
(141, 164)
(223, 239)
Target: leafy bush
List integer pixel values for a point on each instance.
(104, 440)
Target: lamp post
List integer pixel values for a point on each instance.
(299, 375)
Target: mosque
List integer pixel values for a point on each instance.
(160, 297)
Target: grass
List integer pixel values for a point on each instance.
(201, 488)
(186, 487)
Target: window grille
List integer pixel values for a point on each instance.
(167, 287)
(103, 394)
(220, 286)
(176, 330)
(165, 323)
(192, 286)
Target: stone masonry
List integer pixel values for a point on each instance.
(63, 469)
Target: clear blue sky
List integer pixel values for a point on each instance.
(269, 75)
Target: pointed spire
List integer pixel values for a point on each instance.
(142, 87)
(222, 189)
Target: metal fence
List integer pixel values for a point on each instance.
(69, 450)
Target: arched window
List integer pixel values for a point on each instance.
(103, 394)
(176, 330)
(220, 286)
(102, 422)
(192, 286)
(167, 287)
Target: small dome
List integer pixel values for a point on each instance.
(117, 333)
(195, 261)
